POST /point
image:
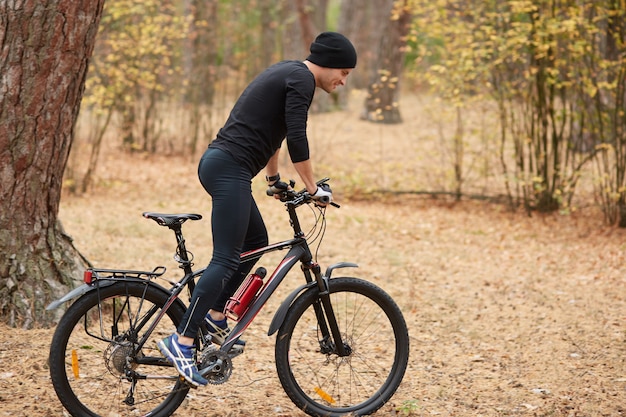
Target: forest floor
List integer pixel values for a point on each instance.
(508, 314)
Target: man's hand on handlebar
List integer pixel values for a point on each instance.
(277, 188)
(282, 191)
(323, 196)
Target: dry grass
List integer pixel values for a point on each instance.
(508, 315)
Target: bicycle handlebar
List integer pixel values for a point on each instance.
(298, 197)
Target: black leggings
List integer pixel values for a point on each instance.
(237, 227)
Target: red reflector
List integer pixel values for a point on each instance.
(88, 276)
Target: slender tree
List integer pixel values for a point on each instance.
(201, 90)
(355, 15)
(312, 21)
(381, 104)
(45, 46)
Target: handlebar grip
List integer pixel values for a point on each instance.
(276, 188)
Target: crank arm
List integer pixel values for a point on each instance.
(210, 368)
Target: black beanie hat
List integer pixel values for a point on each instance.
(332, 50)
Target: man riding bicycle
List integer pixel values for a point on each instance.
(273, 107)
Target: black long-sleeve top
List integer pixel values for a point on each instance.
(275, 105)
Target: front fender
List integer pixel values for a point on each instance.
(277, 321)
(338, 265)
(77, 292)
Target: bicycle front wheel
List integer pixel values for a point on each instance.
(374, 331)
(95, 366)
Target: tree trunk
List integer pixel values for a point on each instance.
(355, 15)
(45, 46)
(201, 91)
(381, 104)
(312, 18)
(268, 33)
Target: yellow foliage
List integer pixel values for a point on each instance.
(546, 65)
(137, 48)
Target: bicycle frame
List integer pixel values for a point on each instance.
(298, 252)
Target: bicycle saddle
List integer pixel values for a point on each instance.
(171, 219)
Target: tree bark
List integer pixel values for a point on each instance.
(44, 50)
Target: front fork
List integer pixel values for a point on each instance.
(325, 314)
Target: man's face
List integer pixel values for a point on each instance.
(331, 78)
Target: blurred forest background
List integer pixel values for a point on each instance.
(529, 95)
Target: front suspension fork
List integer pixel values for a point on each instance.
(325, 314)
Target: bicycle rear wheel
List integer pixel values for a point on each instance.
(93, 367)
(320, 382)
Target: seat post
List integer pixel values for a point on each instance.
(182, 256)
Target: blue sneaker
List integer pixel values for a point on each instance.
(219, 331)
(182, 357)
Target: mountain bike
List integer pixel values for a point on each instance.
(342, 344)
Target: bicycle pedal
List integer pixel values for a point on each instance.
(189, 384)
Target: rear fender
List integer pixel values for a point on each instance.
(77, 292)
(101, 283)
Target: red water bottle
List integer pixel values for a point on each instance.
(238, 304)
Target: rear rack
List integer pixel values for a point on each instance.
(94, 274)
